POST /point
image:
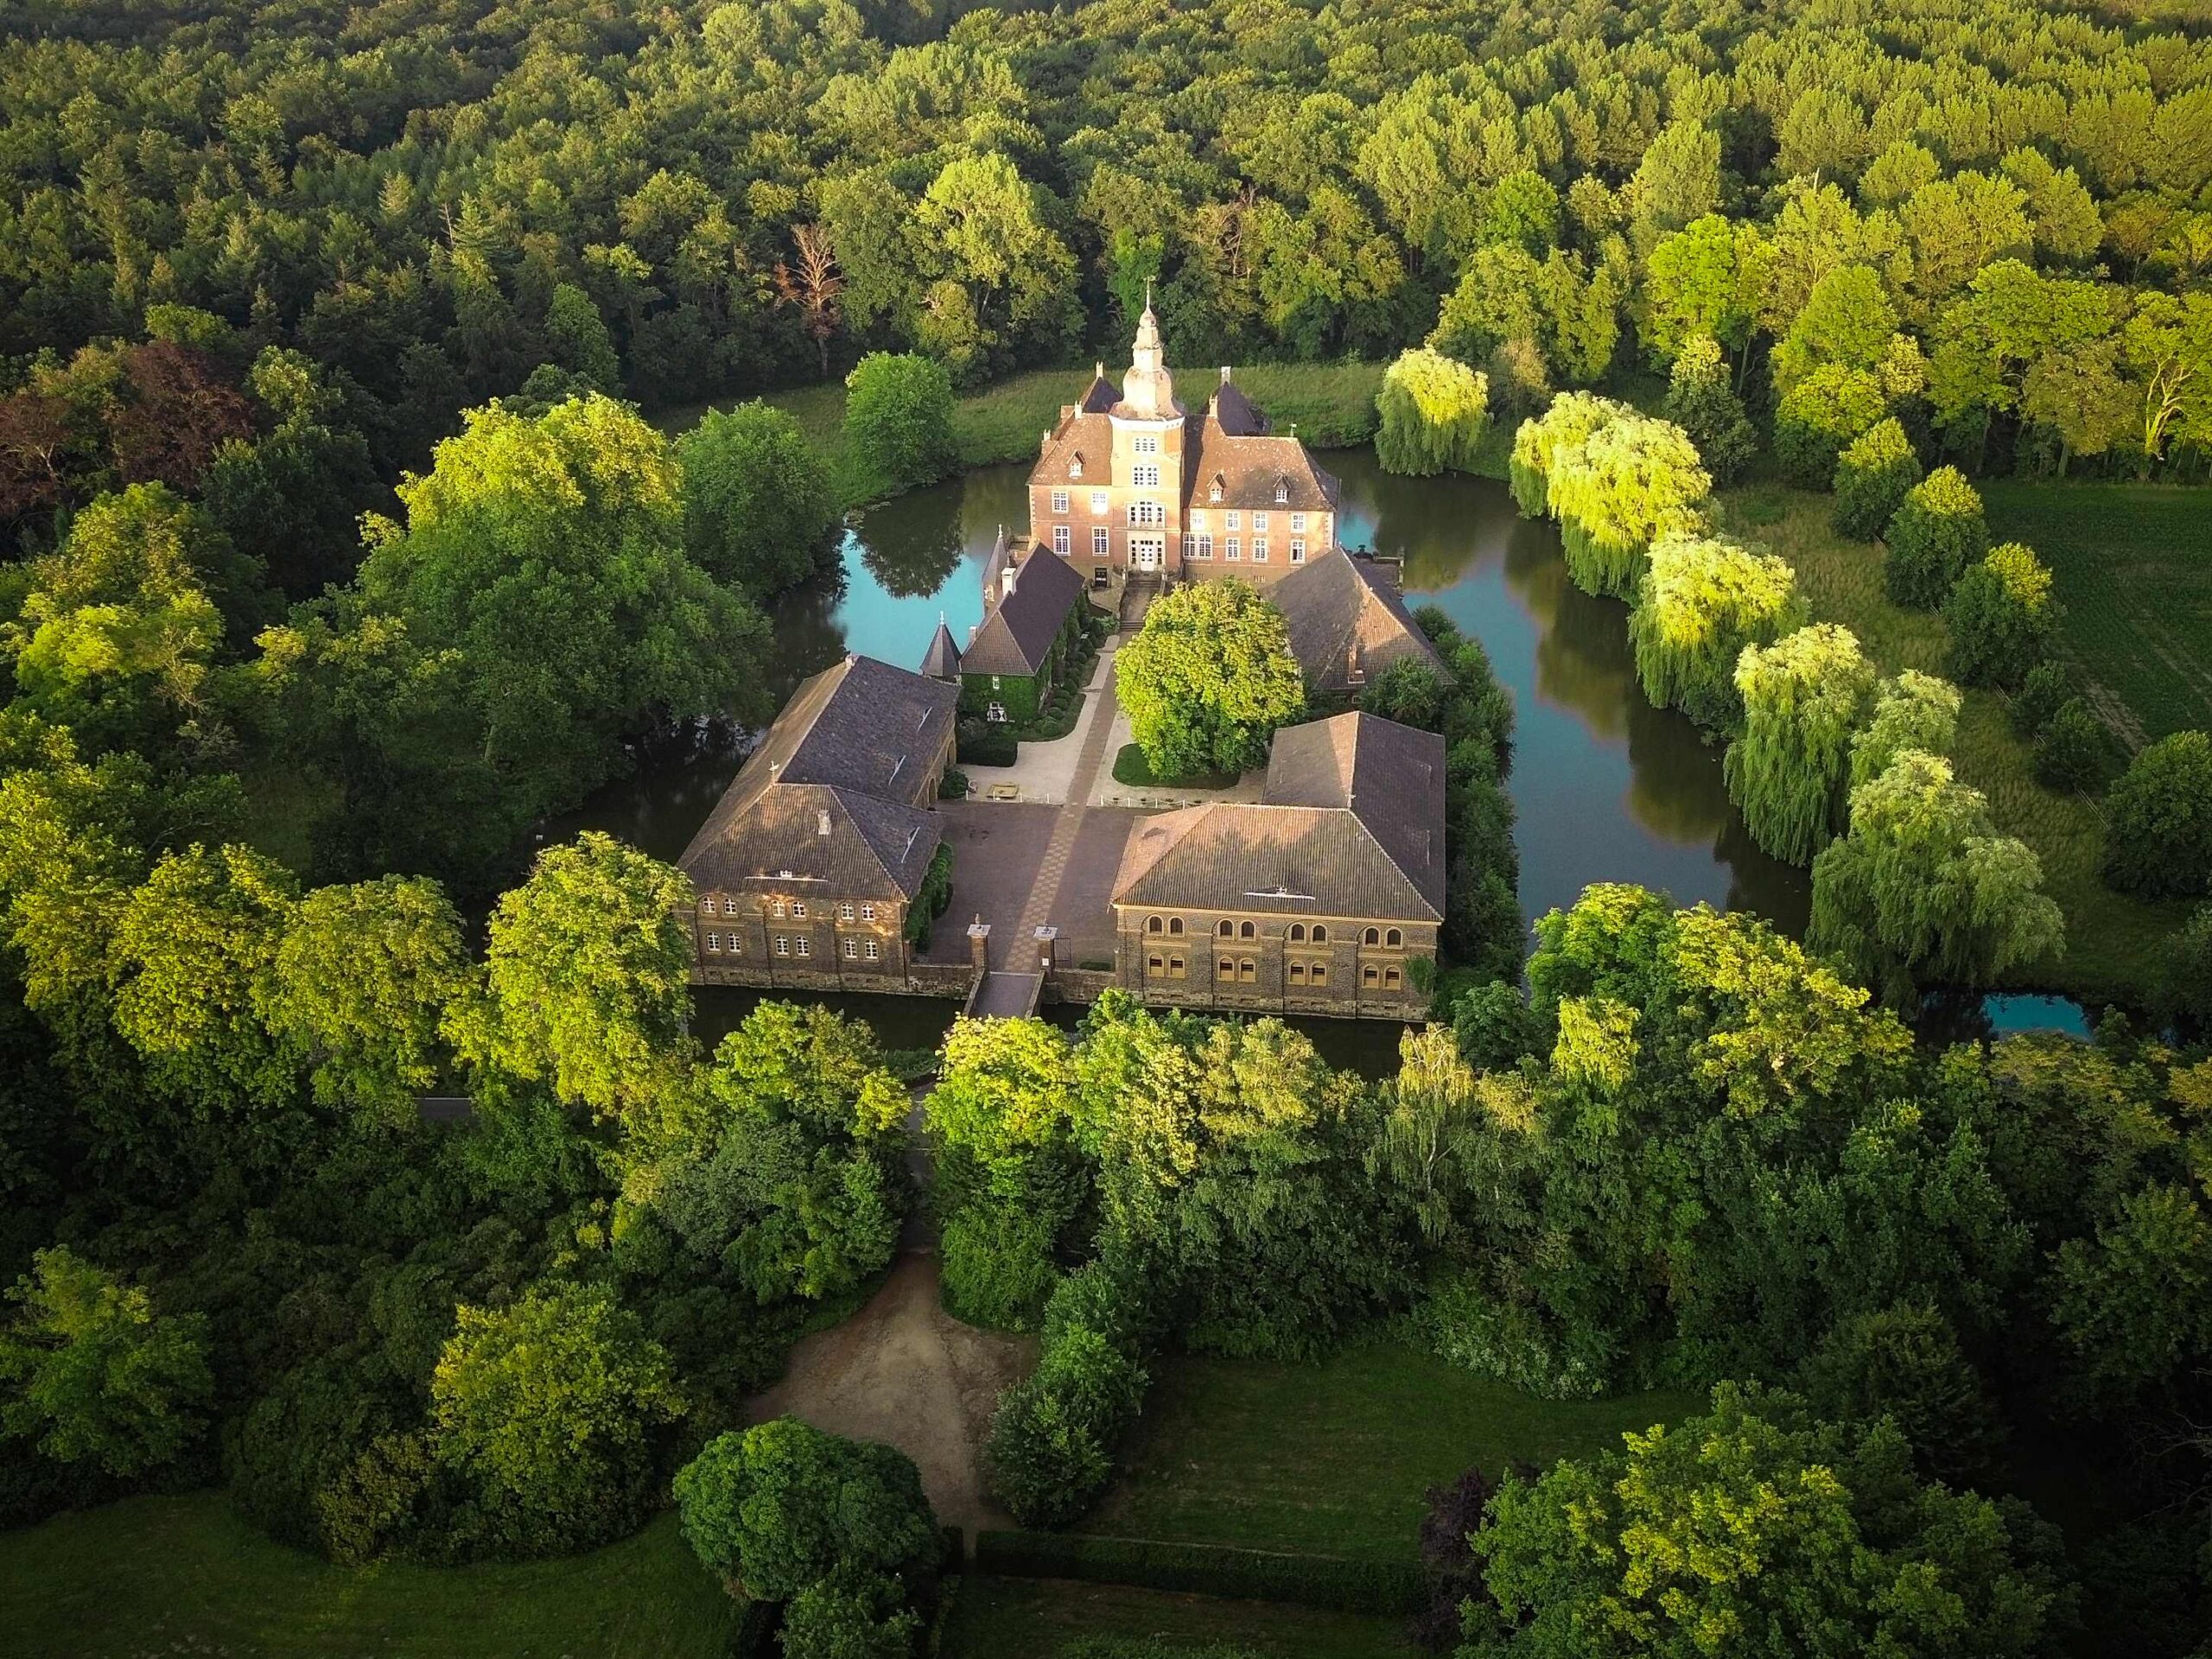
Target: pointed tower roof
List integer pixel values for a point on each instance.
(1147, 390)
(942, 660)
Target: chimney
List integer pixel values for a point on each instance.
(1099, 369)
(1224, 374)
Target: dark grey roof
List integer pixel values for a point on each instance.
(1236, 414)
(1342, 606)
(835, 790)
(1100, 395)
(1352, 825)
(942, 660)
(1013, 637)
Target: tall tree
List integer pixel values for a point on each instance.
(1207, 680)
(1803, 698)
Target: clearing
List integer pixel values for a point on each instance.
(1334, 1458)
(2133, 567)
(185, 1575)
(2110, 936)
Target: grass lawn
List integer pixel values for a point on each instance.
(2133, 568)
(1334, 1458)
(1332, 404)
(1131, 767)
(2108, 935)
(1035, 1618)
(184, 1575)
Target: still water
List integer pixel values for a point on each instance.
(1607, 788)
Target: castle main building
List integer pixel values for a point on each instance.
(1128, 482)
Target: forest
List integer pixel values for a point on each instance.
(381, 433)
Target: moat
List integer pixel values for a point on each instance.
(1605, 786)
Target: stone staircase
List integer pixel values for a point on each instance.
(1137, 594)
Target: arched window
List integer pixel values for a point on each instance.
(1298, 972)
(1320, 933)
(1224, 968)
(1393, 938)
(1298, 932)
(1175, 925)
(1225, 930)
(1152, 923)
(1245, 930)
(1373, 936)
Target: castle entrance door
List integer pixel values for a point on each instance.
(1147, 552)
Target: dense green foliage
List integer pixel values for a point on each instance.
(1803, 698)
(1432, 411)
(2001, 617)
(1935, 533)
(2158, 819)
(1871, 479)
(1700, 603)
(759, 504)
(898, 422)
(1207, 680)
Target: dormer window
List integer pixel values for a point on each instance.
(1214, 489)
(1075, 465)
(1282, 491)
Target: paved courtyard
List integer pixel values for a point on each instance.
(997, 849)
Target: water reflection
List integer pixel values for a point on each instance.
(1607, 787)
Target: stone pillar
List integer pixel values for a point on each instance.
(979, 940)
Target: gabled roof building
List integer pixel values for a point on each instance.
(807, 867)
(1348, 623)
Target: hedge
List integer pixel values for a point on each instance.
(1329, 1582)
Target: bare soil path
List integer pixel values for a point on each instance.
(904, 1371)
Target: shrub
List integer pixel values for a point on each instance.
(851, 1614)
(1936, 533)
(2000, 615)
(2070, 748)
(2041, 689)
(985, 743)
(781, 1506)
(1872, 477)
(1455, 1512)
(953, 786)
(931, 898)
(1053, 1438)
(2159, 820)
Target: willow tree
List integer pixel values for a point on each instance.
(1572, 417)
(1804, 697)
(1703, 600)
(1913, 711)
(1434, 410)
(1631, 481)
(1924, 886)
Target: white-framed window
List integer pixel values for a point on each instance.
(1059, 501)
(782, 945)
(1075, 466)
(867, 912)
(845, 913)
(1147, 514)
(1213, 491)
(1298, 550)
(799, 906)
(1098, 504)
(1201, 547)
(1234, 548)
(1063, 540)
(714, 943)
(1145, 443)
(1282, 491)
(995, 712)
(1259, 550)
(1259, 521)
(873, 950)
(1235, 519)
(1098, 541)
(779, 910)
(1198, 518)
(1146, 476)
(852, 950)
(1297, 522)
(805, 944)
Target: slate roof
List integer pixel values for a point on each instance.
(1352, 824)
(833, 791)
(1236, 414)
(942, 660)
(1341, 603)
(1015, 636)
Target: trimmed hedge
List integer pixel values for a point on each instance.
(1329, 1582)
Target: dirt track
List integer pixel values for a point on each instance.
(904, 1371)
